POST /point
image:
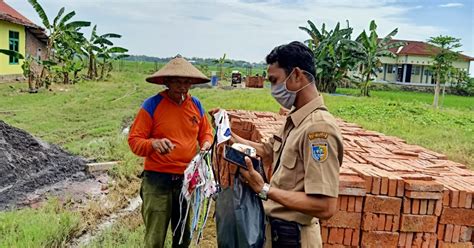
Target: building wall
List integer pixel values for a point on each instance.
(35, 47)
(5, 67)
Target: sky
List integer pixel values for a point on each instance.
(249, 29)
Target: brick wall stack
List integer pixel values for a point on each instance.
(254, 82)
(392, 194)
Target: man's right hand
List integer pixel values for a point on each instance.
(163, 146)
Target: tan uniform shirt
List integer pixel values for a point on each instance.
(310, 146)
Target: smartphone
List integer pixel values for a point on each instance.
(237, 157)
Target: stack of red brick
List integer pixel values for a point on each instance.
(254, 82)
(391, 194)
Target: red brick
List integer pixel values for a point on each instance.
(382, 204)
(369, 222)
(415, 207)
(340, 236)
(431, 207)
(441, 228)
(351, 204)
(426, 240)
(384, 186)
(462, 198)
(388, 223)
(358, 204)
(381, 222)
(456, 233)
(352, 191)
(454, 198)
(324, 234)
(348, 181)
(347, 236)
(344, 200)
(433, 241)
(455, 245)
(419, 185)
(402, 239)
(396, 223)
(332, 235)
(466, 233)
(378, 239)
(355, 237)
(448, 233)
(418, 223)
(468, 200)
(418, 239)
(438, 207)
(345, 219)
(445, 197)
(457, 216)
(400, 188)
(406, 205)
(409, 239)
(375, 185)
(423, 195)
(392, 187)
(423, 206)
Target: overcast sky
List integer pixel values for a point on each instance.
(249, 29)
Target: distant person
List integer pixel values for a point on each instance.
(305, 155)
(167, 131)
(264, 75)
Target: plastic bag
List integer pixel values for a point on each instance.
(240, 217)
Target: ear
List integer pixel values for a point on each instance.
(300, 76)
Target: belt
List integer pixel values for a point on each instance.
(163, 178)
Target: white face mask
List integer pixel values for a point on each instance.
(283, 96)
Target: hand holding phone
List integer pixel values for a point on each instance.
(237, 157)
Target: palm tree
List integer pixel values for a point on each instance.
(369, 49)
(107, 54)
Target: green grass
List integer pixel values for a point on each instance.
(48, 226)
(87, 119)
(450, 101)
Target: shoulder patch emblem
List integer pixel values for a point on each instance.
(320, 151)
(317, 135)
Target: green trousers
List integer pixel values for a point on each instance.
(160, 194)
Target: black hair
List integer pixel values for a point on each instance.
(292, 55)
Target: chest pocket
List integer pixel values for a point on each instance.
(287, 174)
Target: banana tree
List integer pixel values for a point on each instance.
(106, 55)
(332, 56)
(61, 31)
(220, 65)
(95, 45)
(369, 49)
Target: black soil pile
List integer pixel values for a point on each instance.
(28, 164)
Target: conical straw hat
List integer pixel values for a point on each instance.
(178, 67)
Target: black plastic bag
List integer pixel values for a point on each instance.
(240, 217)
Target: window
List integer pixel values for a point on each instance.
(416, 70)
(390, 68)
(14, 40)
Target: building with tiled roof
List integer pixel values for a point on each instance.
(412, 63)
(20, 34)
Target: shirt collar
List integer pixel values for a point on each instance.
(164, 93)
(297, 116)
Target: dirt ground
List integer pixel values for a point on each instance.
(28, 164)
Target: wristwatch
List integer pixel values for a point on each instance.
(264, 193)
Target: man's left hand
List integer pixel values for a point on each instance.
(205, 146)
(252, 177)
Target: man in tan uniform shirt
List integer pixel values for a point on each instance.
(305, 155)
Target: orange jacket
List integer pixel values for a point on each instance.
(184, 125)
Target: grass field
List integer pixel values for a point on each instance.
(87, 119)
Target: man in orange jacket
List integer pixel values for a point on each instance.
(167, 131)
